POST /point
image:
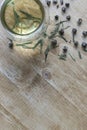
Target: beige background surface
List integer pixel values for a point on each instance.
(31, 101)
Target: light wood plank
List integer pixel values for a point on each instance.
(8, 121)
(32, 100)
(24, 112)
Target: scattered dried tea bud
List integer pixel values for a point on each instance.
(55, 2)
(63, 56)
(63, 9)
(74, 31)
(57, 6)
(56, 17)
(53, 43)
(76, 43)
(65, 49)
(68, 17)
(61, 2)
(61, 32)
(79, 22)
(48, 3)
(11, 45)
(84, 45)
(67, 5)
(84, 33)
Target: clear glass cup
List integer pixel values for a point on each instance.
(29, 36)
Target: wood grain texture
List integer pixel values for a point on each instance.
(35, 95)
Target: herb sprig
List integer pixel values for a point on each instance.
(40, 42)
(24, 45)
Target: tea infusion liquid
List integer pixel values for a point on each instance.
(23, 16)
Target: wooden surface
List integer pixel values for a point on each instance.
(44, 96)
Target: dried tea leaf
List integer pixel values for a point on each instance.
(17, 18)
(23, 44)
(72, 57)
(30, 17)
(79, 53)
(46, 52)
(62, 57)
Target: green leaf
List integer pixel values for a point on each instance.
(17, 18)
(26, 47)
(53, 34)
(56, 30)
(79, 53)
(46, 52)
(72, 57)
(27, 43)
(20, 45)
(29, 16)
(61, 22)
(66, 27)
(38, 43)
(61, 37)
(62, 57)
(45, 35)
(23, 44)
(41, 46)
